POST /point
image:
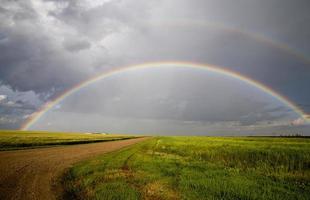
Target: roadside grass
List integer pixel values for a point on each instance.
(196, 168)
(10, 140)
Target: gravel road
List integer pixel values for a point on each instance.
(31, 174)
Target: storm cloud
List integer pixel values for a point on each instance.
(49, 46)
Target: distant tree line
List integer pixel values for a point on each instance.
(295, 135)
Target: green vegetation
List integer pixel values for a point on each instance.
(197, 168)
(28, 139)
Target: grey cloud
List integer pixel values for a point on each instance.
(36, 46)
(17, 106)
(237, 51)
(179, 95)
(160, 127)
(130, 36)
(49, 46)
(33, 58)
(75, 45)
(102, 20)
(264, 114)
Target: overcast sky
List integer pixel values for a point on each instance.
(47, 46)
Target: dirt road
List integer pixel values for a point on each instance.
(30, 174)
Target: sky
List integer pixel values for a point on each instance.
(49, 46)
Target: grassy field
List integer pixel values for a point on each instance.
(197, 168)
(28, 139)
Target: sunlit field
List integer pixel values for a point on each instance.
(197, 168)
(10, 140)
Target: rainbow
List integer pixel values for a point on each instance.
(233, 30)
(211, 68)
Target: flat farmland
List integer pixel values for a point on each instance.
(196, 168)
(10, 140)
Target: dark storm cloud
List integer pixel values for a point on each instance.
(35, 37)
(30, 59)
(106, 18)
(16, 106)
(28, 62)
(48, 46)
(29, 50)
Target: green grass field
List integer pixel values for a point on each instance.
(10, 140)
(197, 168)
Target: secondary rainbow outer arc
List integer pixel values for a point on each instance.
(230, 29)
(212, 68)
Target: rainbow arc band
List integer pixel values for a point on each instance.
(35, 117)
(226, 28)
